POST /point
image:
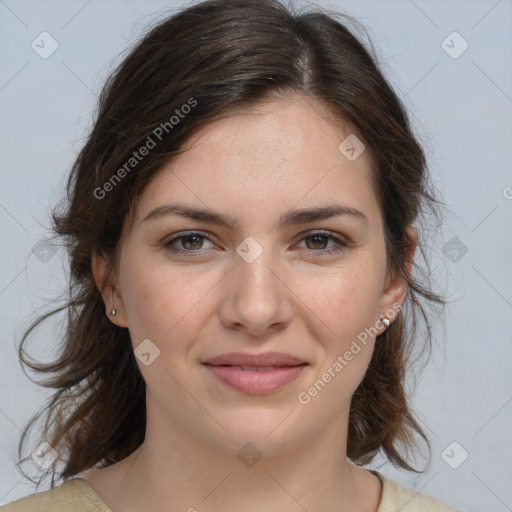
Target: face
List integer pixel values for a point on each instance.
(257, 275)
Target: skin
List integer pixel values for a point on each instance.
(256, 166)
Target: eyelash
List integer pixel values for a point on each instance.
(168, 245)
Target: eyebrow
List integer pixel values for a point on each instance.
(290, 218)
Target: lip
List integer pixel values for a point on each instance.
(246, 359)
(255, 379)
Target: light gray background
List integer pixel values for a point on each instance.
(461, 109)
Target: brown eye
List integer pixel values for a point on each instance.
(192, 242)
(317, 244)
(187, 243)
(318, 241)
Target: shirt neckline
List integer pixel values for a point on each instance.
(85, 487)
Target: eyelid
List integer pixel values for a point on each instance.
(341, 242)
(184, 234)
(327, 233)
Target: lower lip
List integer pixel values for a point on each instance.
(255, 382)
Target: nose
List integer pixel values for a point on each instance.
(256, 297)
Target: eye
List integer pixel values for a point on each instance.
(319, 240)
(191, 242)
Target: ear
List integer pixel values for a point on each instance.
(396, 288)
(109, 291)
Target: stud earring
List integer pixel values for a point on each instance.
(386, 322)
(114, 311)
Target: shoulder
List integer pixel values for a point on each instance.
(75, 495)
(397, 498)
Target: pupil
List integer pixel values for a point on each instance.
(198, 239)
(317, 238)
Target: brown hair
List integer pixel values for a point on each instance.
(220, 57)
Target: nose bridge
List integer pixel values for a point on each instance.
(256, 297)
(256, 274)
(256, 283)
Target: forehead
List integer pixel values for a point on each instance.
(277, 153)
(281, 129)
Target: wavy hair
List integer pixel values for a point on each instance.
(221, 57)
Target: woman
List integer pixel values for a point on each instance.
(242, 224)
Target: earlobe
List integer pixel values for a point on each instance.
(397, 286)
(114, 307)
(113, 311)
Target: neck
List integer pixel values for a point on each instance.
(179, 472)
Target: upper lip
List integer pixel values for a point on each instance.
(264, 359)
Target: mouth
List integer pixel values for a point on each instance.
(257, 368)
(258, 374)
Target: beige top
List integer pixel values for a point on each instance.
(77, 495)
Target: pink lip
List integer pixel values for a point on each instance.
(264, 359)
(228, 369)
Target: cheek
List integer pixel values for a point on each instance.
(163, 304)
(346, 305)
(344, 301)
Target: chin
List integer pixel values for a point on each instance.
(271, 431)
